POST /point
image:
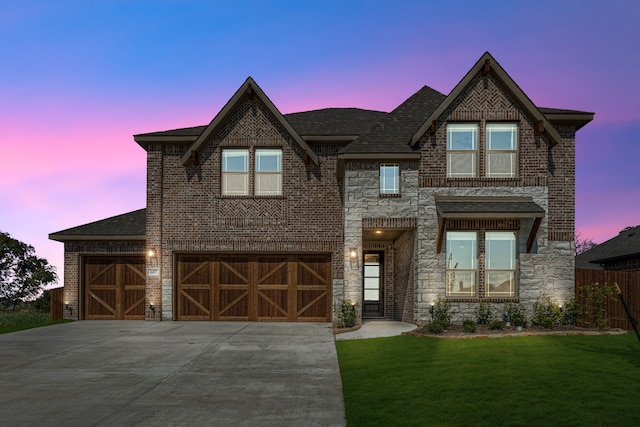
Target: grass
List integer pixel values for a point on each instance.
(18, 321)
(519, 381)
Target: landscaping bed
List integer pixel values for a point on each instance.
(484, 331)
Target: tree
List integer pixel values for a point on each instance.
(22, 274)
(583, 244)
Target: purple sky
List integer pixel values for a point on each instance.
(78, 79)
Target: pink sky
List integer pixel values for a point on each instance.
(80, 78)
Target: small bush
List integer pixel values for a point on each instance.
(484, 313)
(437, 326)
(571, 312)
(441, 311)
(469, 326)
(515, 313)
(496, 324)
(595, 297)
(346, 314)
(546, 313)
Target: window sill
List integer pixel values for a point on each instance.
(390, 195)
(490, 300)
(280, 196)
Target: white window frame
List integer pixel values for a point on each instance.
(507, 270)
(392, 187)
(510, 153)
(454, 152)
(454, 287)
(231, 177)
(269, 174)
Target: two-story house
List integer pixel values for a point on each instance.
(263, 216)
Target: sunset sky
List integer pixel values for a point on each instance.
(79, 78)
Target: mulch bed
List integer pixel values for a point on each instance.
(483, 331)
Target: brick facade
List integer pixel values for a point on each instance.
(333, 206)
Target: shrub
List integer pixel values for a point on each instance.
(346, 314)
(441, 311)
(546, 313)
(437, 326)
(496, 324)
(594, 298)
(571, 312)
(469, 326)
(514, 313)
(484, 313)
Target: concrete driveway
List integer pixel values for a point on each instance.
(125, 373)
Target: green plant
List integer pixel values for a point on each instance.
(437, 326)
(514, 313)
(571, 312)
(496, 324)
(441, 311)
(346, 314)
(594, 297)
(546, 313)
(469, 326)
(484, 313)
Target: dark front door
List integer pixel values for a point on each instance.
(373, 285)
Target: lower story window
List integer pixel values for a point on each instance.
(463, 278)
(500, 263)
(462, 261)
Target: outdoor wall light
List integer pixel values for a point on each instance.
(353, 258)
(151, 253)
(152, 308)
(68, 308)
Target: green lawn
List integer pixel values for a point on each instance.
(517, 381)
(17, 321)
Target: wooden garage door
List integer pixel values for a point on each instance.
(114, 288)
(254, 287)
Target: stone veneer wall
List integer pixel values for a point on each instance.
(363, 204)
(74, 250)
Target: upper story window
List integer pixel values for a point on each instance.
(462, 150)
(502, 148)
(235, 172)
(268, 176)
(389, 178)
(500, 263)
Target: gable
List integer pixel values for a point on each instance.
(252, 92)
(485, 67)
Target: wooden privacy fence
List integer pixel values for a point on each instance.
(629, 283)
(56, 302)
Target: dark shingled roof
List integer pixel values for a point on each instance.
(488, 207)
(132, 224)
(626, 244)
(324, 122)
(392, 134)
(334, 121)
(545, 110)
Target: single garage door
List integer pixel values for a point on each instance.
(114, 287)
(286, 287)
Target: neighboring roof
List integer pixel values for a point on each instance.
(248, 88)
(128, 226)
(465, 207)
(625, 245)
(487, 63)
(334, 121)
(391, 134)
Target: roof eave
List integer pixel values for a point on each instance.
(513, 88)
(379, 156)
(93, 237)
(248, 86)
(578, 120)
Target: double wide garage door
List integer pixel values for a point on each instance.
(114, 287)
(253, 287)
